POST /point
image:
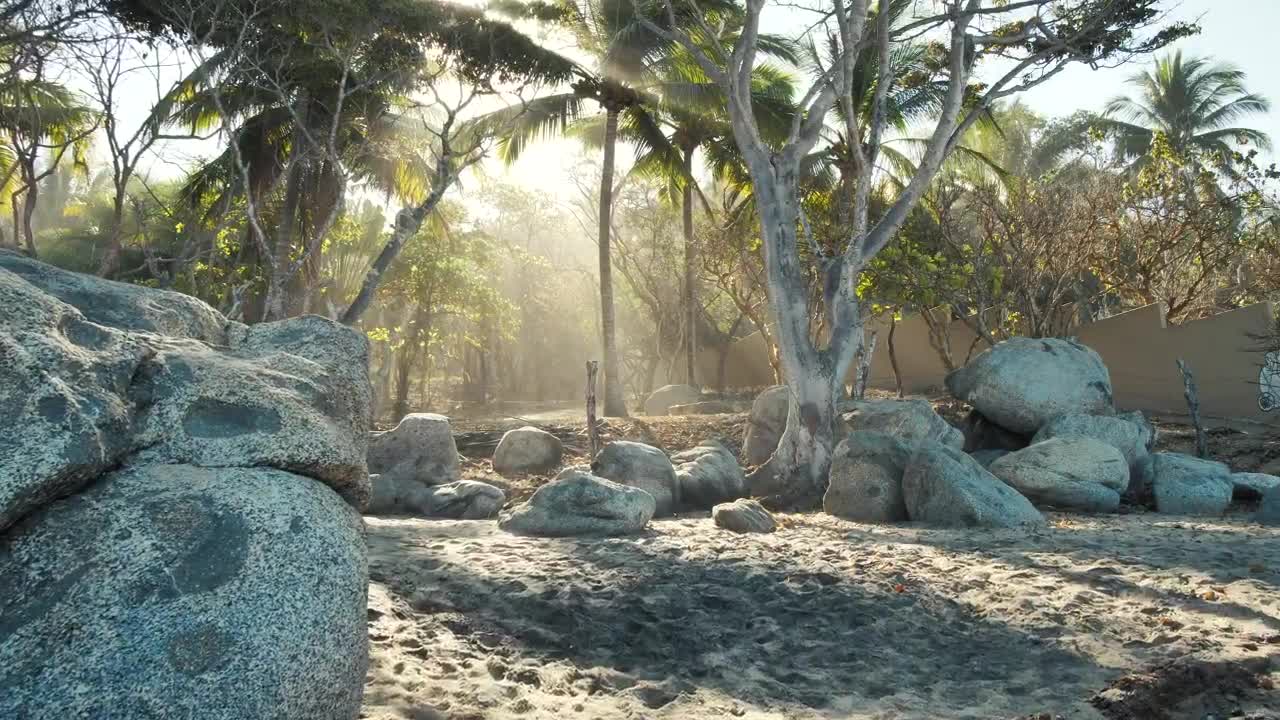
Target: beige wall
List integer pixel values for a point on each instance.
(1139, 348)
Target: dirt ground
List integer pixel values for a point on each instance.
(1135, 616)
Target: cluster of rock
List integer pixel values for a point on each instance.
(179, 505)
(416, 471)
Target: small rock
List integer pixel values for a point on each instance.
(911, 421)
(1269, 509)
(527, 450)
(420, 448)
(1073, 473)
(945, 487)
(579, 503)
(706, 475)
(1252, 486)
(743, 516)
(765, 424)
(660, 401)
(641, 466)
(866, 478)
(1185, 485)
(1121, 433)
(705, 407)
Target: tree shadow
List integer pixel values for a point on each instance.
(767, 629)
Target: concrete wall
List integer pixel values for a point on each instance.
(1138, 346)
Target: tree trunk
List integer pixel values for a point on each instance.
(410, 354)
(796, 476)
(893, 354)
(111, 258)
(690, 310)
(614, 405)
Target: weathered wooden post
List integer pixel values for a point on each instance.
(1193, 407)
(593, 431)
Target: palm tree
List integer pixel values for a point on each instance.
(310, 75)
(621, 53)
(37, 118)
(691, 116)
(634, 74)
(1194, 102)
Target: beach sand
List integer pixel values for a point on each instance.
(1130, 616)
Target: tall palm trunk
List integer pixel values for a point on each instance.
(614, 406)
(690, 309)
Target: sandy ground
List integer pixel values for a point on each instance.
(1132, 616)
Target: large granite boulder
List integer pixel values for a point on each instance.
(1023, 383)
(420, 448)
(527, 450)
(460, 500)
(579, 503)
(707, 475)
(1121, 433)
(176, 591)
(1185, 485)
(911, 421)
(765, 424)
(1071, 473)
(640, 466)
(121, 305)
(1252, 486)
(943, 486)
(660, 401)
(179, 504)
(866, 478)
(743, 516)
(292, 395)
(1149, 432)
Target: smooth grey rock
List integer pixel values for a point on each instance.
(526, 450)
(982, 434)
(866, 478)
(986, 457)
(765, 424)
(640, 466)
(1023, 383)
(943, 486)
(121, 305)
(1269, 509)
(660, 401)
(1072, 472)
(1185, 485)
(704, 407)
(579, 503)
(463, 499)
(1252, 486)
(171, 591)
(420, 448)
(707, 475)
(1120, 433)
(911, 421)
(743, 516)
